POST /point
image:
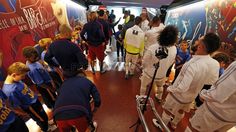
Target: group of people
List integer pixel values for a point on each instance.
(197, 73)
(56, 68)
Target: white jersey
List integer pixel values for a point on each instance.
(220, 99)
(199, 71)
(152, 34)
(145, 26)
(149, 59)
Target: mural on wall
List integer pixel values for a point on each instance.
(24, 22)
(194, 20)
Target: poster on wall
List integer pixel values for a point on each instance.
(196, 19)
(25, 22)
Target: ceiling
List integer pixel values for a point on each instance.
(141, 3)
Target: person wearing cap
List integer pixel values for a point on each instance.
(200, 71)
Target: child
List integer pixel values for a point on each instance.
(218, 110)
(119, 43)
(199, 71)
(182, 56)
(20, 95)
(39, 76)
(167, 38)
(9, 121)
(72, 107)
(223, 60)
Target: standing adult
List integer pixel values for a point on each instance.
(96, 41)
(151, 35)
(134, 45)
(69, 55)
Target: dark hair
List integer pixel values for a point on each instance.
(221, 57)
(168, 36)
(100, 13)
(131, 18)
(120, 27)
(212, 42)
(138, 20)
(156, 19)
(30, 51)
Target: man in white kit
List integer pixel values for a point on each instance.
(199, 71)
(218, 112)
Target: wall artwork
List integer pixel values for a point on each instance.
(25, 22)
(196, 19)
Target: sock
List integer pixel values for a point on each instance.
(166, 118)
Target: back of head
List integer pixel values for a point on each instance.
(138, 20)
(131, 18)
(156, 20)
(212, 42)
(44, 42)
(92, 16)
(120, 27)
(30, 52)
(65, 31)
(100, 13)
(168, 36)
(18, 68)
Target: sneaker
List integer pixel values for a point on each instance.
(126, 76)
(102, 71)
(52, 128)
(157, 98)
(51, 122)
(156, 123)
(93, 71)
(94, 127)
(173, 126)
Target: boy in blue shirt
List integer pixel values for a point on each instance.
(21, 96)
(119, 43)
(183, 55)
(9, 122)
(40, 76)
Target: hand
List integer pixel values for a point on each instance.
(201, 99)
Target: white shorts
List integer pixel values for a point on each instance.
(173, 106)
(204, 121)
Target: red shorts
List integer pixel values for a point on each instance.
(94, 52)
(80, 123)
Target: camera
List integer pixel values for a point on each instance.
(161, 53)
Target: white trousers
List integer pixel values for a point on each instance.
(157, 85)
(130, 63)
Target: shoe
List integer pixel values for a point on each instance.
(93, 70)
(156, 123)
(173, 126)
(102, 71)
(93, 128)
(126, 76)
(157, 98)
(52, 128)
(131, 74)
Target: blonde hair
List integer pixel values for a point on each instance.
(65, 29)
(44, 41)
(18, 68)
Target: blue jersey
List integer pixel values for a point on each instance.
(6, 115)
(181, 58)
(19, 94)
(38, 74)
